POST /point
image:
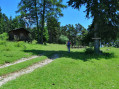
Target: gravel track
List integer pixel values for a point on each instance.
(4, 79)
(19, 61)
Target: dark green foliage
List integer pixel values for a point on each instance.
(116, 44)
(34, 35)
(75, 33)
(45, 35)
(10, 24)
(89, 51)
(4, 22)
(53, 27)
(17, 22)
(100, 9)
(36, 12)
(29, 10)
(105, 14)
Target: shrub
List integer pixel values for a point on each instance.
(116, 44)
(3, 42)
(34, 42)
(89, 51)
(19, 44)
(45, 35)
(24, 47)
(63, 39)
(4, 36)
(6, 49)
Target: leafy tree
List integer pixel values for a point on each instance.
(63, 30)
(53, 26)
(4, 22)
(36, 11)
(1, 21)
(30, 11)
(90, 34)
(10, 23)
(63, 39)
(45, 35)
(50, 8)
(56, 8)
(17, 22)
(116, 43)
(74, 33)
(103, 12)
(71, 33)
(81, 34)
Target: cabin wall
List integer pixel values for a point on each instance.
(19, 35)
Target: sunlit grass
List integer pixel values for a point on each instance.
(19, 66)
(75, 70)
(13, 51)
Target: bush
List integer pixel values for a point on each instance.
(63, 39)
(6, 49)
(116, 44)
(89, 51)
(19, 44)
(34, 42)
(24, 47)
(4, 36)
(45, 35)
(2, 42)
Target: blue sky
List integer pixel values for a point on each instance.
(71, 16)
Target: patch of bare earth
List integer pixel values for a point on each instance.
(12, 76)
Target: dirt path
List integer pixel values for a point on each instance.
(19, 61)
(12, 76)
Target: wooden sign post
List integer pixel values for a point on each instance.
(97, 40)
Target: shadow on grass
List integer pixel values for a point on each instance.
(74, 55)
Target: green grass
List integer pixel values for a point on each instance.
(13, 51)
(20, 66)
(75, 70)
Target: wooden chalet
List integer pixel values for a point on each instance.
(19, 34)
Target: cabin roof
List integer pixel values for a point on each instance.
(17, 29)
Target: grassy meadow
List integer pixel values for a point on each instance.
(74, 70)
(12, 51)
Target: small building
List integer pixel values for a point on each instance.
(19, 34)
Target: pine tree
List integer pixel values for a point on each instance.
(53, 26)
(103, 12)
(36, 11)
(1, 21)
(29, 10)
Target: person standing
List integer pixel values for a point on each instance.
(68, 46)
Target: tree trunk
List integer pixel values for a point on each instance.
(96, 42)
(43, 18)
(37, 22)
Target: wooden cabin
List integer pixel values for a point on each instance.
(19, 34)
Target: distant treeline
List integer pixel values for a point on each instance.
(52, 33)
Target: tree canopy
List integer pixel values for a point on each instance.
(105, 14)
(37, 11)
